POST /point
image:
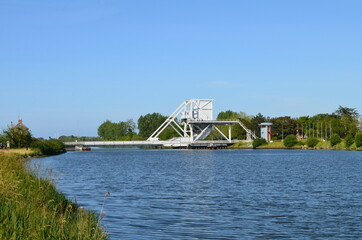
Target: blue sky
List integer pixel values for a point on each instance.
(67, 66)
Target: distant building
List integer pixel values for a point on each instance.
(20, 126)
(265, 131)
(19, 135)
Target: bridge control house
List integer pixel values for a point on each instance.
(265, 131)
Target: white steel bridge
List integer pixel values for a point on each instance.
(192, 120)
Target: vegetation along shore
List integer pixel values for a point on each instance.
(30, 206)
(338, 130)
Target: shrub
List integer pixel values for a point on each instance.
(348, 141)
(358, 139)
(258, 142)
(312, 142)
(48, 147)
(290, 141)
(335, 139)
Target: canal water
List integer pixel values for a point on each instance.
(221, 194)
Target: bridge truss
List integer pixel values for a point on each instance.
(193, 121)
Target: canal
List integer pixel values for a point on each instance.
(222, 194)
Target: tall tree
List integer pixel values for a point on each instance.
(228, 115)
(349, 119)
(283, 126)
(237, 131)
(345, 111)
(149, 123)
(18, 135)
(114, 131)
(255, 121)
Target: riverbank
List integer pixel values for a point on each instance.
(32, 208)
(322, 145)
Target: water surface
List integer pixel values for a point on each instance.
(223, 194)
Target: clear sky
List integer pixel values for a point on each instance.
(67, 66)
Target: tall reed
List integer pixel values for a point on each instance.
(31, 207)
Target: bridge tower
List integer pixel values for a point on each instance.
(193, 121)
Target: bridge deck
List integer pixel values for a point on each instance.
(168, 143)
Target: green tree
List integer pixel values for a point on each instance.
(290, 140)
(149, 123)
(349, 140)
(345, 111)
(358, 139)
(18, 135)
(115, 131)
(283, 126)
(312, 142)
(2, 138)
(349, 120)
(255, 121)
(335, 139)
(228, 115)
(237, 132)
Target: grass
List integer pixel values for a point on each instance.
(274, 144)
(21, 151)
(31, 207)
(323, 145)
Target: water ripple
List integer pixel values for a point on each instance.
(163, 194)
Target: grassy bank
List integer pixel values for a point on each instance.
(31, 208)
(278, 144)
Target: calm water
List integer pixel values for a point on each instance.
(223, 194)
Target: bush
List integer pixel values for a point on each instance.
(312, 142)
(258, 142)
(358, 139)
(48, 147)
(335, 139)
(348, 141)
(290, 141)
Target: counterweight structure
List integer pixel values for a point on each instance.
(193, 121)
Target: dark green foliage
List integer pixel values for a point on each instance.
(283, 126)
(18, 135)
(113, 131)
(228, 115)
(237, 132)
(349, 140)
(358, 139)
(255, 121)
(343, 122)
(258, 142)
(312, 142)
(149, 123)
(345, 111)
(335, 139)
(2, 138)
(48, 147)
(73, 138)
(290, 141)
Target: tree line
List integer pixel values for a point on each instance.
(19, 136)
(343, 122)
(126, 130)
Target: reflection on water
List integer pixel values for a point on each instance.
(223, 194)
